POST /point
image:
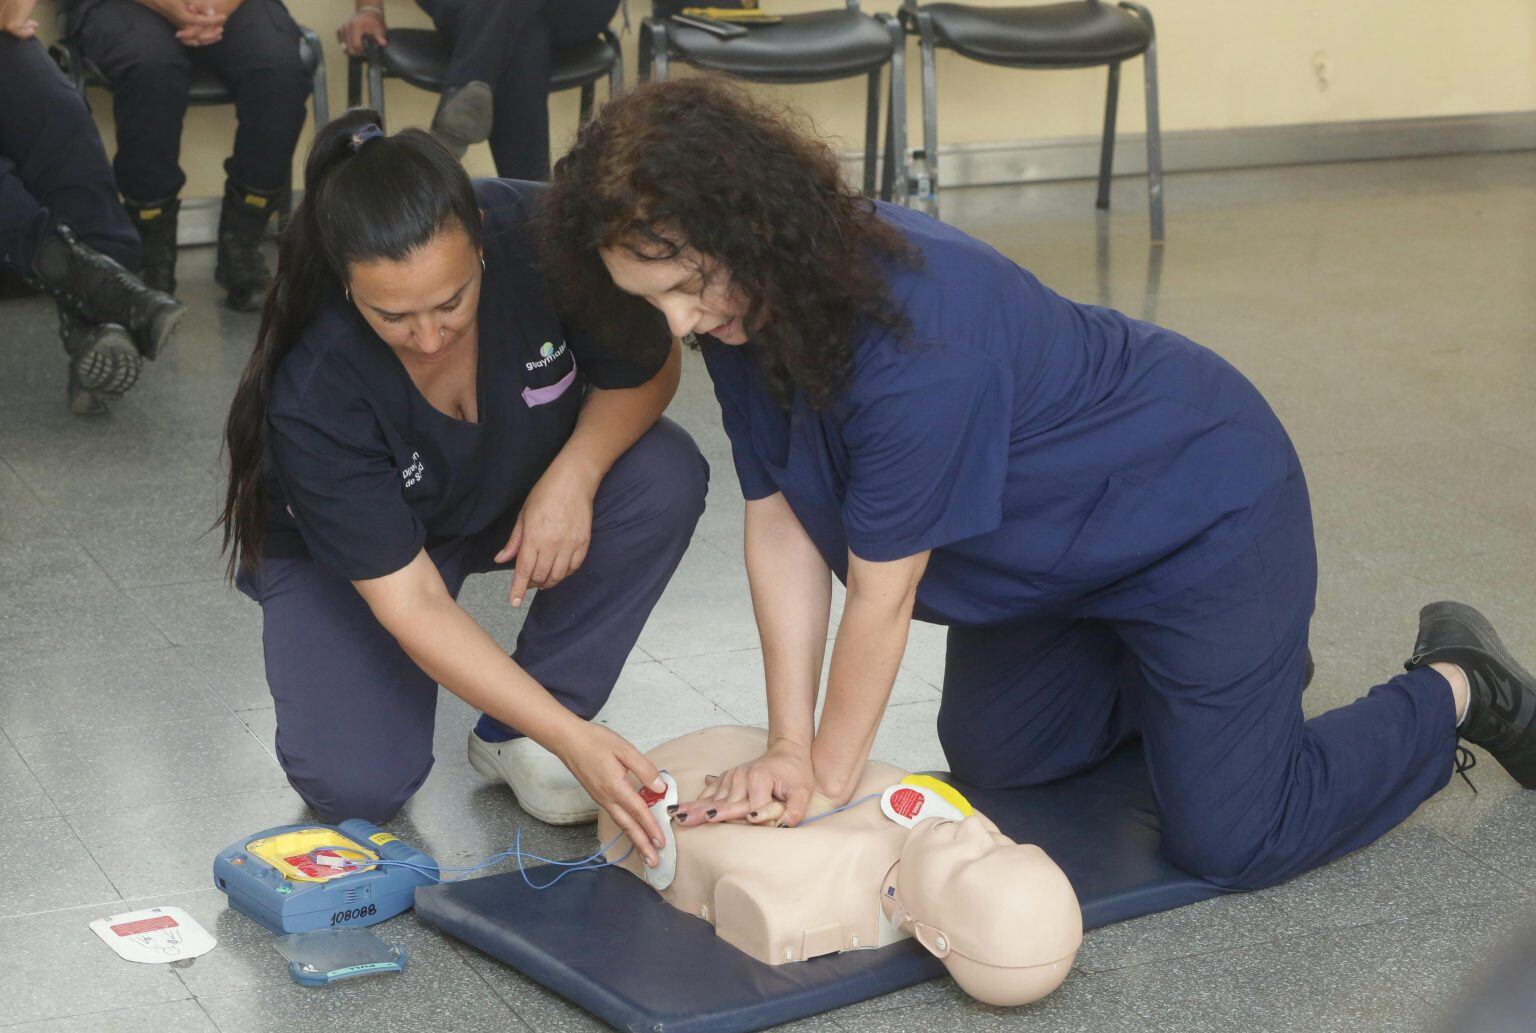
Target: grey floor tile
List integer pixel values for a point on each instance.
(50, 567)
(182, 1016)
(188, 834)
(924, 657)
(188, 758)
(705, 609)
(23, 795)
(1360, 502)
(1406, 872)
(66, 970)
(262, 721)
(24, 517)
(909, 737)
(438, 990)
(1082, 1004)
(46, 626)
(159, 533)
(236, 670)
(1305, 984)
(1477, 480)
(1498, 583)
(1236, 920)
(650, 704)
(1496, 825)
(138, 691)
(202, 612)
(44, 866)
(734, 683)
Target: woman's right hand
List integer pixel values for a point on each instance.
(360, 26)
(746, 792)
(602, 761)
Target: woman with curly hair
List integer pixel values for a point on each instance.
(1108, 517)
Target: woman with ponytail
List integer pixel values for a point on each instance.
(416, 411)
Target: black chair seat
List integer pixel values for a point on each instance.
(205, 87)
(814, 47)
(420, 57)
(1066, 35)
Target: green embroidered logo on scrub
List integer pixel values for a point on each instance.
(548, 349)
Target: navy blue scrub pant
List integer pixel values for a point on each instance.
(53, 168)
(510, 45)
(355, 714)
(1250, 792)
(150, 73)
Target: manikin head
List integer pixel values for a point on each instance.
(1000, 915)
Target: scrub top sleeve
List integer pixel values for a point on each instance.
(927, 439)
(729, 374)
(345, 496)
(603, 369)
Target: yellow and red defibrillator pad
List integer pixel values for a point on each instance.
(919, 797)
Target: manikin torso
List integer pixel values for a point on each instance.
(787, 895)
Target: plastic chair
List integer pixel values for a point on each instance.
(812, 47)
(420, 57)
(1082, 34)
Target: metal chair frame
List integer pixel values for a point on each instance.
(657, 49)
(372, 66)
(927, 185)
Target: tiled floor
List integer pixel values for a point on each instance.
(1389, 312)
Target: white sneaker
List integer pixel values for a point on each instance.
(545, 788)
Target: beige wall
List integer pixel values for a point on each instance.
(1224, 63)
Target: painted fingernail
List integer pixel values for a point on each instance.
(671, 808)
(752, 815)
(779, 825)
(711, 813)
(682, 815)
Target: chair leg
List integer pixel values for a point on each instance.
(354, 82)
(588, 94)
(616, 71)
(928, 188)
(871, 132)
(375, 79)
(1154, 125)
(895, 181)
(653, 50)
(320, 95)
(1107, 147)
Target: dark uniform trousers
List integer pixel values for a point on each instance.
(53, 168)
(510, 46)
(150, 74)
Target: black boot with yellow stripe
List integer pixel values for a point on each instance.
(242, 270)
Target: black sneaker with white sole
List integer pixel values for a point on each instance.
(1501, 712)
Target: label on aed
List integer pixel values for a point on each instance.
(323, 865)
(380, 838)
(154, 937)
(907, 804)
(665, 871)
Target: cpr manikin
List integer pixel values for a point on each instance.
(1000, 915)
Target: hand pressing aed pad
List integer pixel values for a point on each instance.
(1001, 916)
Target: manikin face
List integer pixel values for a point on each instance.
(693, 292)
(424, 306)
(988, 898)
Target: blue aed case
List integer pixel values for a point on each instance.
(296, 878)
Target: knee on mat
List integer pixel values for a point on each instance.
(1228, 863)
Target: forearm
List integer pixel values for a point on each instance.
(453, 649)
(613, 420)
(792, 599)
(871, 639)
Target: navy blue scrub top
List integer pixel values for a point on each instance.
(363, 471)
(1058, 458)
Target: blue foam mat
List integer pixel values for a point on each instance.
(607, 942)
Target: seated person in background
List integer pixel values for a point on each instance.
(503, 54)
(147, 49)
(1000, 915)
(61, 228)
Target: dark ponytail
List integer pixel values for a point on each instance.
(366, 197)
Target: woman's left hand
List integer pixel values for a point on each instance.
(552, 532)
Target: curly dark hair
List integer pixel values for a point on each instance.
(698, 162)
